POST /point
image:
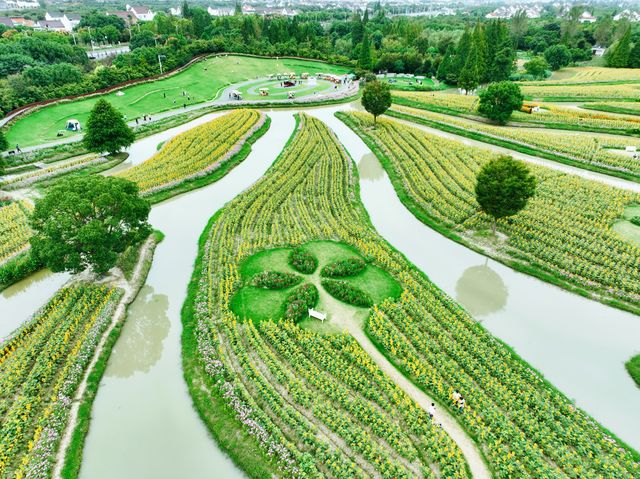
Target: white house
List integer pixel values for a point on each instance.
(175, 11)
(598, 50)
(68, 20)
(586, 17)
(71, 21)
(51, 15)
(627, 14)
(50, 25)
(144, 14)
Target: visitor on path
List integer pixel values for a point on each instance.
(432, 411)
(144, 117)
(136, 121)
(18, 150)
(461, 404)
(456, 397)
(164, 95)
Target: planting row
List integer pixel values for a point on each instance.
(319, 404)
(592, 149)
(197, 152)
(41, 366)
(565, 230)
(14, 229)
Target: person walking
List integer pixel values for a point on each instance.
(432, 411)
(461, 404)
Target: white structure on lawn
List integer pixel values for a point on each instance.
(317, 315)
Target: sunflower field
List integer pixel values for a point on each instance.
(565, 229)
(317, 403)
(14, 229)
(195, 153)
(41, 365)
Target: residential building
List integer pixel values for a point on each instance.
(6, 21)
(51, 26)
(142, 13)
(627, 15)
(220, 12)
(128, 17)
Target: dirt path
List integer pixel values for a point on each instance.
(346, 318)
(130, 291)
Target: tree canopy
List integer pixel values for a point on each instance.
(557, 56)
(499, 100)
(504, 186)
(376, 98)
(106, 129)
(537, 67)
(86, 222)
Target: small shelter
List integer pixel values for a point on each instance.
(264, 92)
(73, 125)
(304, 76)
(236, 95)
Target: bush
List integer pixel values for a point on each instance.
(18, 268)
(635, 220)
(299, 301)
(303, 261)
(342, 268)
(345, 292)
(275, 280)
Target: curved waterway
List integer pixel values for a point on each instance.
(143, 422)
(579, 345)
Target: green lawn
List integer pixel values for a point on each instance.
(411, 84)
(260, 304)
(277, 92)
(202, 82)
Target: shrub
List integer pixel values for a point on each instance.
(345, 292)
(635, 220)
(342, 268)
(303, 261)
(299, 301)
(275, 280)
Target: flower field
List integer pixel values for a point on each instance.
(565, 229)
(317, 403)
(551, 115)
(590, 149)
(626, 91)
(625, 107)
(26, 179)
(195, 153)
(571, 75)
(14, 229)
(42, 364)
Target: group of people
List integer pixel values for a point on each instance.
(458, 401)
(144, 118)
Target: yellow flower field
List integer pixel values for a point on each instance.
(14, 229)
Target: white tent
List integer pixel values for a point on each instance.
(73, 125)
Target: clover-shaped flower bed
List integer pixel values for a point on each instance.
(272, 280)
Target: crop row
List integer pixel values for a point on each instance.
(41, 366)
(319, 403)
(197, 152)
(20, 181)
(549, 114)
(591, 75)
(565, 229)
(14, 229)
(590, 148)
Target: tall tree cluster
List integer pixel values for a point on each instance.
(484, 54)
(623, 54)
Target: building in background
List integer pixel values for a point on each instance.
(142, 13)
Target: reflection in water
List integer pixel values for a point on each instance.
(481, 290)
(29, 282)
(140, 344)
(370, 168)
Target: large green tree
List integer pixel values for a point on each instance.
(557, 56)
(537, 67)
(503, 187)
(499, 100)
(634, 56)
(4, 144)
(619, 54)
(376, 98)
(364, 61)
(87, 222)
(106, 129)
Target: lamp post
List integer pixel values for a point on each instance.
(160, 57)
